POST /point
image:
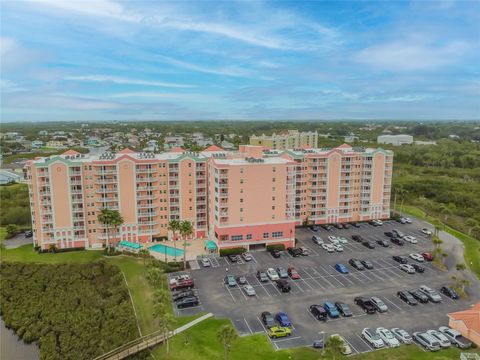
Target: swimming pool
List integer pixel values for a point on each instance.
(162, 249)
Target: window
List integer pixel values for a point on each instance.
(249, 236)
(273, 207)
(241, 170)
(273, 198)
(277, 234)
(266, 235)
(273, 179)
(236, 237)
(241, 181)
(241, 209)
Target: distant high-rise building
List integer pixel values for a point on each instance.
(293, 139)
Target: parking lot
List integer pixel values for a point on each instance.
(321, 282)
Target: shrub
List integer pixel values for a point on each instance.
(232, 251)
(12, 230)
(280, 247)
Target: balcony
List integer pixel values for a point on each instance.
(107, 199)
(75, 172)
(149, 223)
(106, 190)
(46, 202)
(106, 181)
(149, 187)
(145, 170)
(147, 214)
(146, 197)
(75, 191)
(145, 206)
(146, 178)
(223, 175)
(107, 172)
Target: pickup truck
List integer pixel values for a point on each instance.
(182, 284)
(455, 337)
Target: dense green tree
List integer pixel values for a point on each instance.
(112, 219)
(186, 230)
(226, 335)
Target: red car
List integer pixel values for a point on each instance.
(182, 284)
(427, 256)
(294, 275)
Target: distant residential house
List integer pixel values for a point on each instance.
(171, 142)
(351, 138)
(7, 177)
(226, 145)
(395, 140)
(418, 142)
(204, 142)
(43, 133)
(152, 145)
(37, 144)
(56, 144)
(92, 141)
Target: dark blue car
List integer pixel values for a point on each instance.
(341, 268)
(282, 319)
(331, 309)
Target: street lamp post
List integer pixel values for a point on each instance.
(323, 341)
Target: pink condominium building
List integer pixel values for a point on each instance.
(252, 197)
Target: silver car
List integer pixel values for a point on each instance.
(427, 341)
(402, 336)
(206, 262)
(379, 304)
(249, 290)
(441, 338)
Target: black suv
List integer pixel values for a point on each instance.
(357, 238)
(407, 297)
(397, 241)
(187, 302)
(276, 253)
(400, 259)
(368, 244)
(295, 251)
(283, 285)
(356, 264)
(233, 258)
(319, 312)
(366, 304)
(383, 242)
(338, 226)
(268, 319)
(344, 309)
(327, 227)
(418, 268)
(390, 234)
(452, 294)
(182, 295)
(421, 297)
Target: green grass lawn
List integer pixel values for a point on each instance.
(472, 246)
(3, 233)
(26, 253)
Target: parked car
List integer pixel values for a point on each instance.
(182, 294)
(318, 312)
(279, 331)
(283, 319)
(400, 259)
(373, 338)
(282, 272)
(401, 220)
(304, 251)
(389, 234)
(357, 225)
(368, 264)
(455, 337)
(179, 278)
(262, 276)
(338, 226)
(338, 247)
(247, 257)
(417, 257)
(427, 256)
(402, 336)
(295, 251)
(233, 258)
(440, 337)
(187, 302)
(448, 291)
(408, 220)
(318, 344)
(387, 337)
(230, 280)
(407, 297)
(409, 269)
(272, 274)
(331, 309)
(397, 241)
(418, 268)
(333, 239)
(432, 295)
(383, 243)
(398, 233)
(315, 228)
(249, 290)
(345, 349)
(378, 222)
(294, 275)
(426, 231)
(418, 295)
(368, 244)
(341, 268)
(357, 238)
(267, 319)
(426, 341)
(346, 226)
(357, 264)
(283, 285)
(374, 223)
(344, 309)
(379, 304)
(241, 280)
(366, 304)
(327, 227)
(328, 247)
(183, 284)
(410, 239)
(317, 239)
(342, 240)
(276, 253)
(205, 262)
(28, 233)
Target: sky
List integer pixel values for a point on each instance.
(239, 60)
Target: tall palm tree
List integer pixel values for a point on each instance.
(335, 345)
(226, 334)
(174, 226)
(186, 230)
(111, 219)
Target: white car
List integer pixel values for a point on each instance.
(247, 256)
(410, 239)
(426, 231)
(408, 220)
(328, 247)
(373, 338)
(347, 350)
(317, 240)
(378, 221)
(272, 274)
(387, 337)
(441, 338)
(333, 239)
(175, 279)
(338, 247)
(206, 262)
(402, 336)
(342, 240)
(249, 290)
(417, 257)
(407, 268)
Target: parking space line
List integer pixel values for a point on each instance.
(233, 298)
(384, 298)
(298, 286)
(445, 296)
(305, 282)
(369, 346)
(264, 289)
(353, 347)
(287, 339)
(318, 276)
(248, 326)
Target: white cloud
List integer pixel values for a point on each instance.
(411, 55)
(121, 80)
(153, 95)
(7, 86)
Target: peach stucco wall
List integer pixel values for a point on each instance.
(334, 164)
(60, 195)
(187, 188)
(378, 175)
(127, 188)
(36, 205)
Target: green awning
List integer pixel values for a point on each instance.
(130, 245)
(210, 245)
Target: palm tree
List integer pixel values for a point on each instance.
(186, 230)
(167, 323)
(174, 226)
(226, 335)
(471, 223)
(110, 218)
(335, 345)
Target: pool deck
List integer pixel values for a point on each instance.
(194, 249)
